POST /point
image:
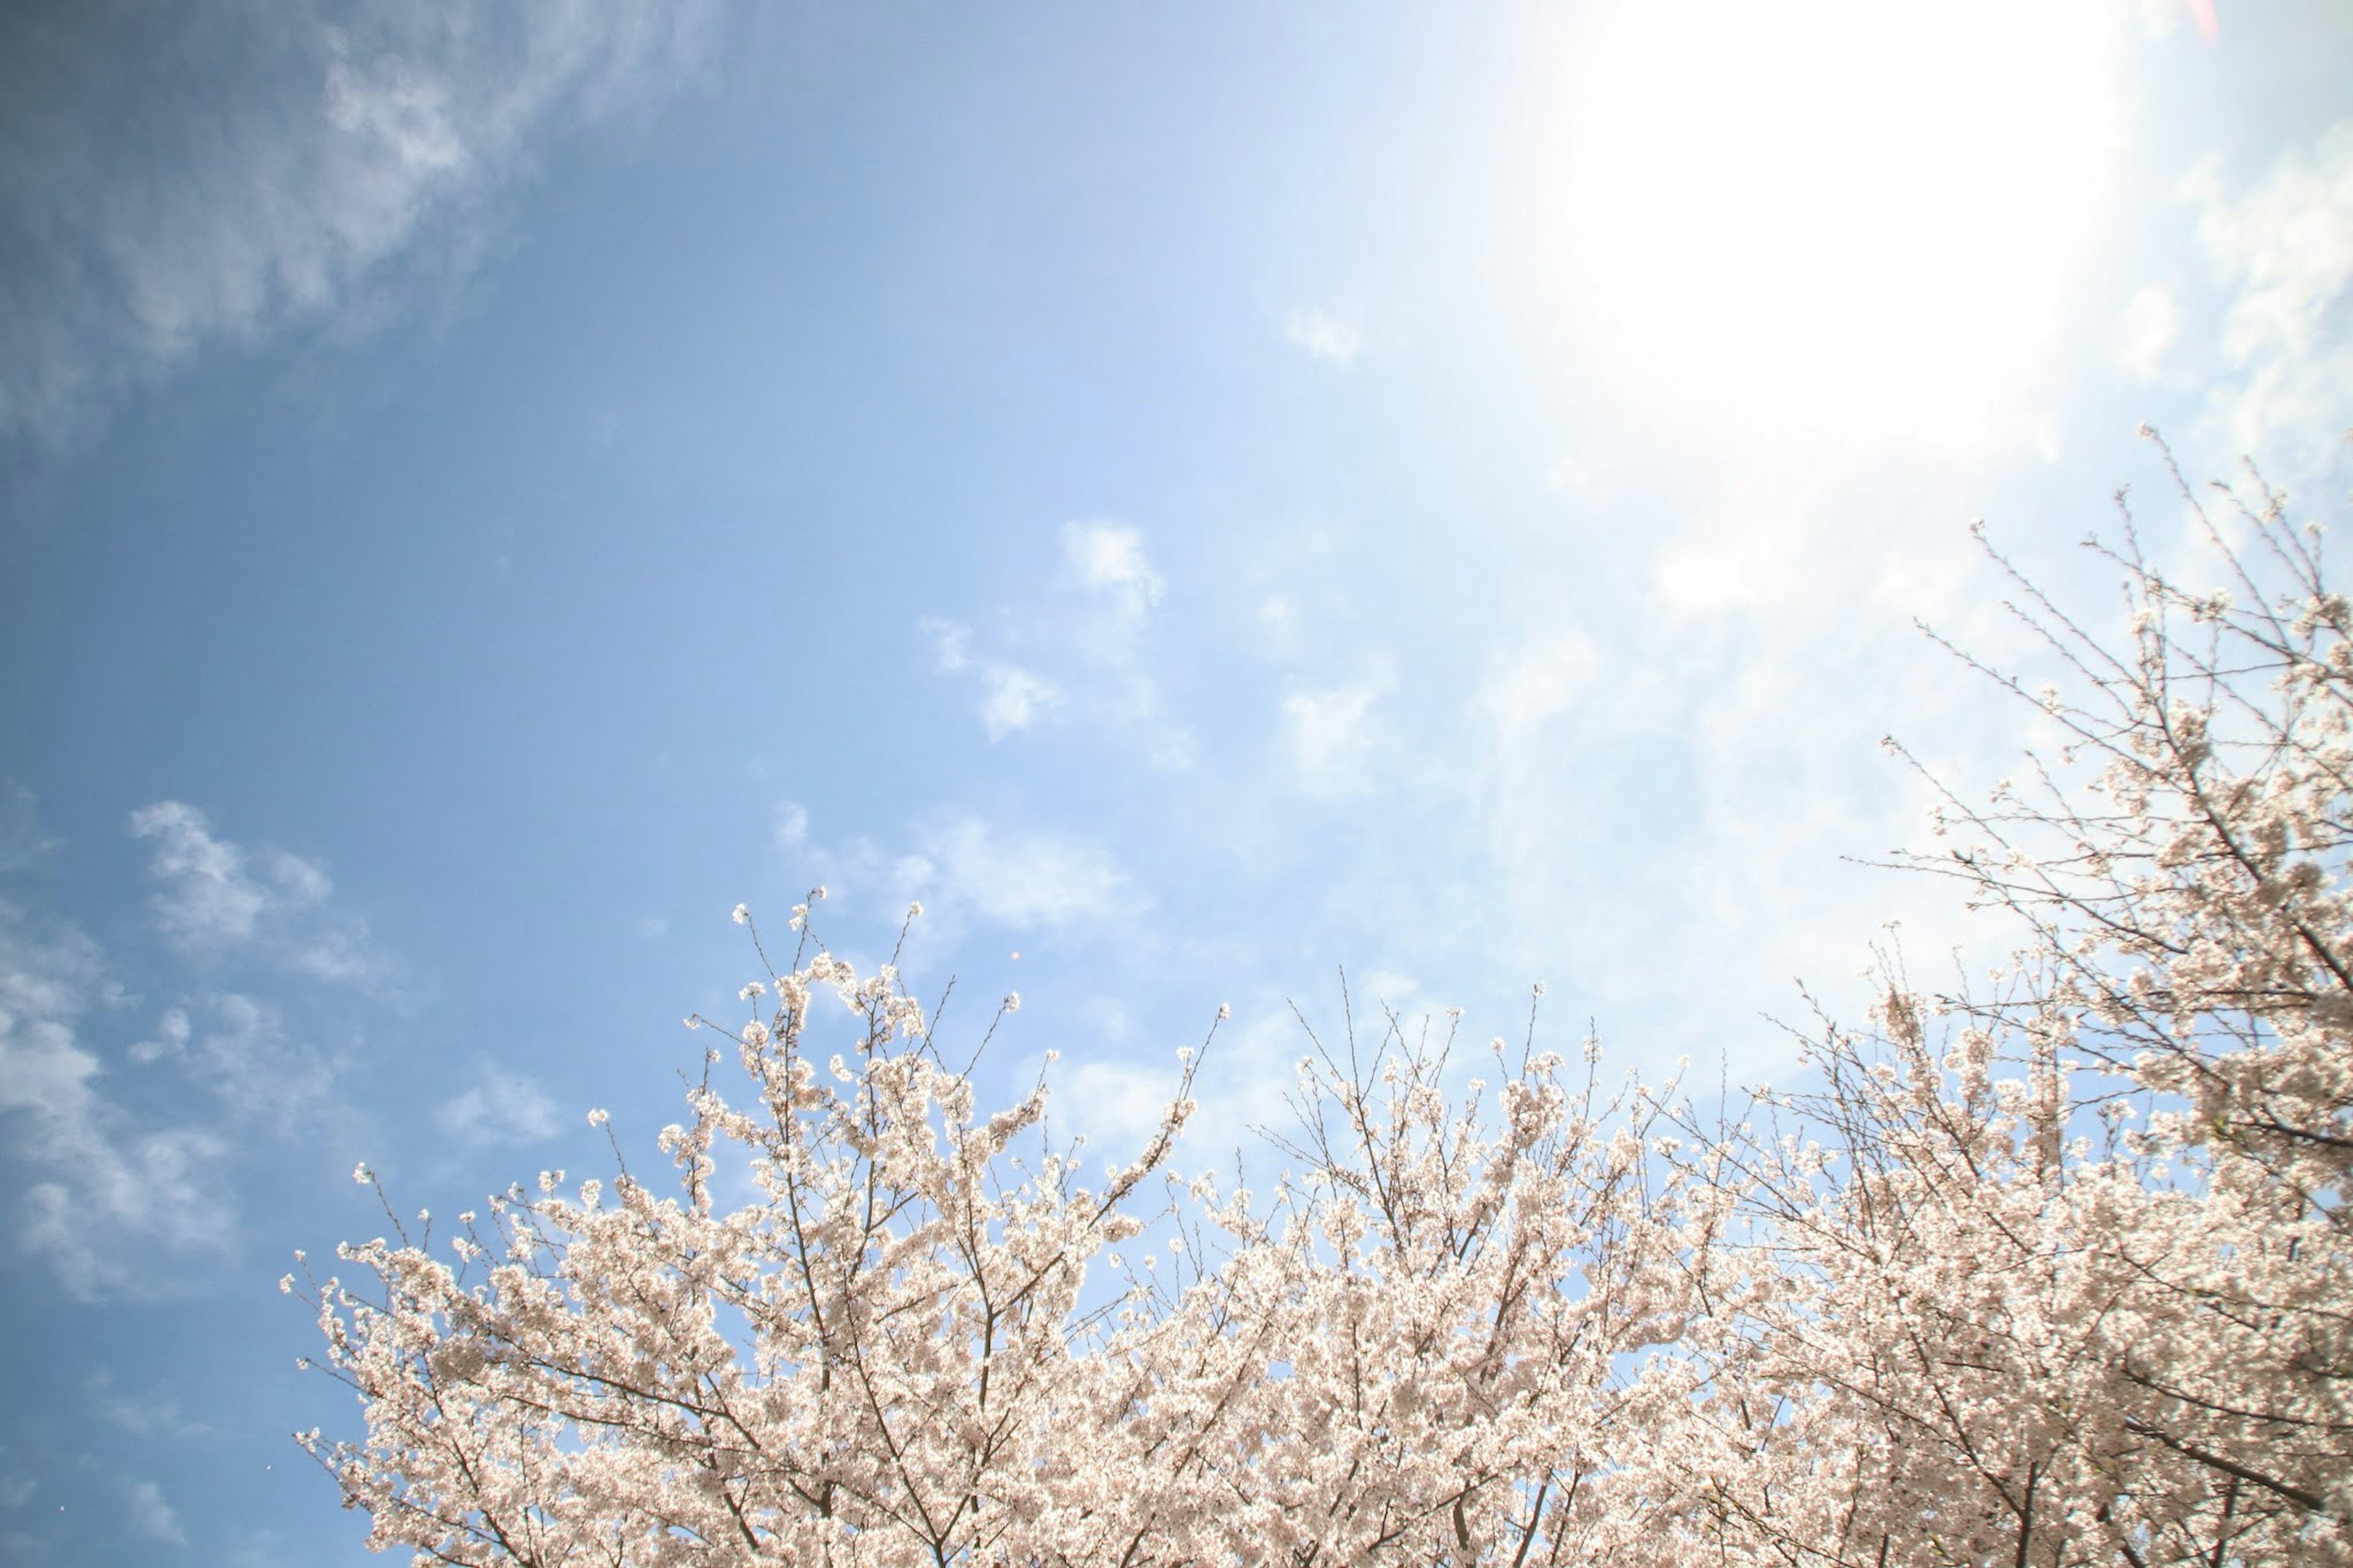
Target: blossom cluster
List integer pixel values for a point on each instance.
(2050, 1273)
(917, 1344)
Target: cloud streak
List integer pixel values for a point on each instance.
(1107, 559)
(245, 170)
(119, 1201)
(2286, 246)
(110, 1204)
(1325, 736)
(150, 1515)
(154, 1416)
(1024, 880)
(1012, 699)
(501, 1108)
(964, 866)
(262, 1076)
(216, 899)
(1106, 569)
(1332, 339)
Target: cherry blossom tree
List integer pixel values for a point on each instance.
(912, 1340)
(2074, 1283)
(2048, 1269)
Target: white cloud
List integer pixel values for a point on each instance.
(1279, 628)
(1247, 1070)
(1570, 475)
(217, 898)
(170, 1041)
(2286, 247)
(114, 1200)
(1376, 995)
(965, 869)
(151, 1516)
(263, 1077)
(1106, 568)
(501, 1108)
(1108, 559)
(2150, 323)
(1662, 784)
(1329, 338)
(273, 166)
(1025, 880)
(22, 843)
(15, 1491)
(1011, 699)
(209, 903)
(1323, 735)
(1750, 562)
(157, 1415)
(1530, 691)
(951, 643)
(1115, 1105)
(262, 1549)
(1108, 564)
(109, 1204)
(1538, 681)
(848, 872)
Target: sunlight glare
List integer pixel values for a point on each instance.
(1839, 219)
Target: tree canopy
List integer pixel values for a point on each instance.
(2052, 1267)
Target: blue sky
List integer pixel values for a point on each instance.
(1197, 498)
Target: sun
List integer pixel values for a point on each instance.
(1859, 217)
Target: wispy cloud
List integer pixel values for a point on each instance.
(951, 643)
(117, 1201)
(238, 1047)
(1107, 564)
(154, 1416)
(150, 1515)
(1332, 339)
(1012, 699)
(964, 866)
(2285, 248)
(1106, 568)
(209, 903)
(23, 845)
(1020, 879)
(1249, 1069)
(216, 899)
(503, 1107)
(248, 169)
(1537, 681)
(110, 1203)
(262, 1549)
(2147, 331)
(1570, 475)
(1108, 560)
(1325, 736)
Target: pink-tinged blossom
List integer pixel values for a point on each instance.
(892, 1352)
(2052, 1273)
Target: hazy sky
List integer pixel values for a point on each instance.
(1198, 496)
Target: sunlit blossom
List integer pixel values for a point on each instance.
(1962, 1301)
